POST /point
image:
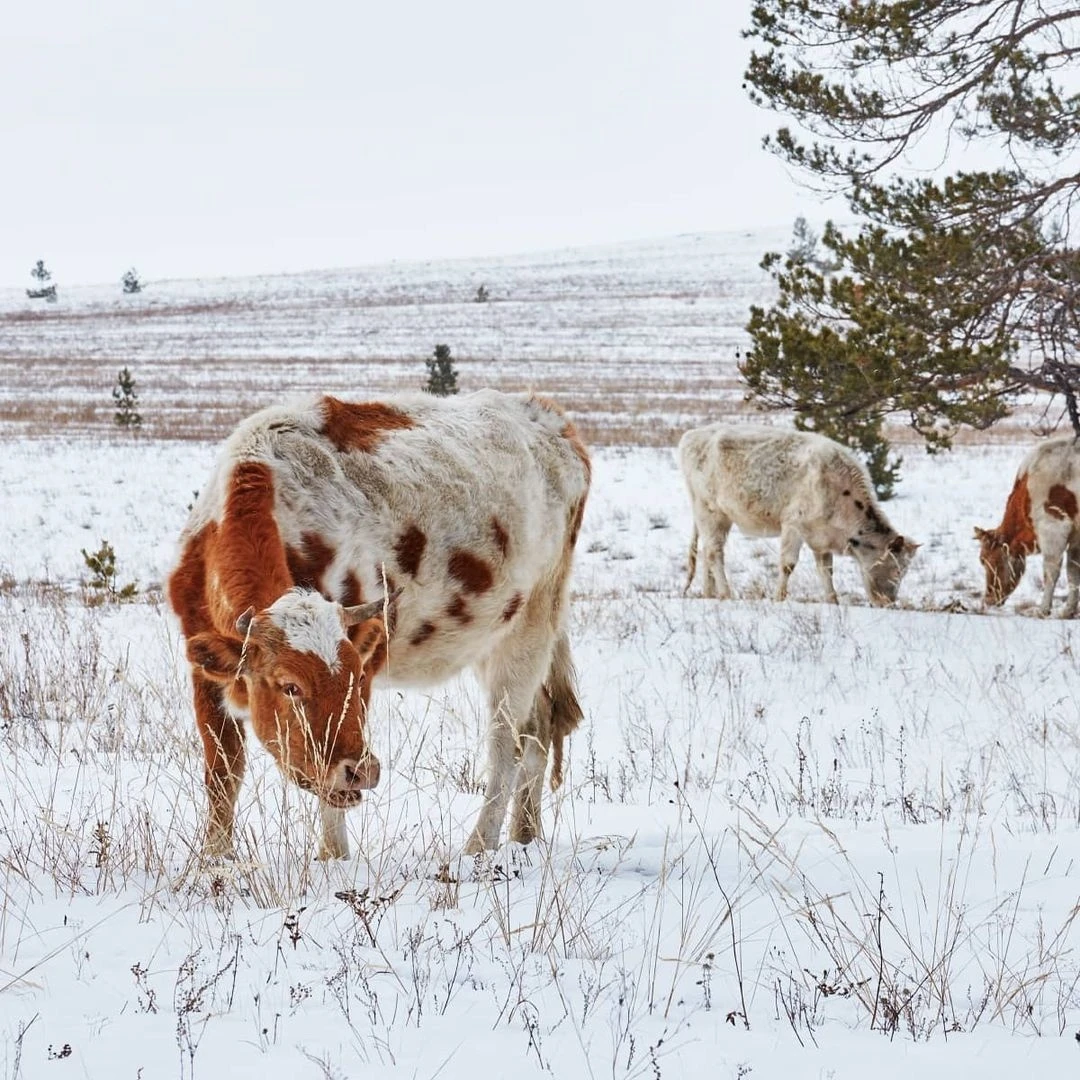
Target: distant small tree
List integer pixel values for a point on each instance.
(442, 376)
(806, 248)
(482, 295)
(131, 281)
(127, 401)
(43, 290)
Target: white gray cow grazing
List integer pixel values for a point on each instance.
(456, 519)
(799, 486)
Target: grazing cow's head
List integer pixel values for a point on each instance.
(1004, 566)
(882, 575)
(307, 665)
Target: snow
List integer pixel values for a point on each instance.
(794, 839)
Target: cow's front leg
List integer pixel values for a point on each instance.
(334, 843)
(824, 561)
(223, 752)
(790, 543)
(1051, 572)
(716, 579)
(1072, 573)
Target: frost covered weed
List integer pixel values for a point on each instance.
(915, 963)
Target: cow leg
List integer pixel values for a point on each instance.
(517, 754)
(714, 539)
(790, 543)
(223, 752)
(334, 843)
(824, 562)
(1072, 574)
(1052, 556)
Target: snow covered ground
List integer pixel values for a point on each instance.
(794, 840)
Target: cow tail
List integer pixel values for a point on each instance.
(691, 559)
(560, 694)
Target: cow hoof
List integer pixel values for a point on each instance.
(217, 851)
(477, 844)
(524, 832)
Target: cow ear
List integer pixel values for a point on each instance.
(981, 534)
(217, 656)
(368, 638)
(243, 623)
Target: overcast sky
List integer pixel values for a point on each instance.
(233, 136)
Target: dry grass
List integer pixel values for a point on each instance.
(635, 404)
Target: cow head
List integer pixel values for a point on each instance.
(306, 664)
(883, 573)
(1004, 567)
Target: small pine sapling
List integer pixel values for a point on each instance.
(102, 567)
(442, 375)
(127, 401)
(43, 290)
(131, 282)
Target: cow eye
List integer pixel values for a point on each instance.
(290, 689)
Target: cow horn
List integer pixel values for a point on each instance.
(353, 616)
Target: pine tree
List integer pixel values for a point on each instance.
(442, 376)
(43, 290)
(131, 282)
(955, 292)
(127, 401)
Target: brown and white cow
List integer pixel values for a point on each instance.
(1040, 515)
(799, 486)
(454, 519)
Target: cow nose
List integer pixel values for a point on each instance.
(359, 774)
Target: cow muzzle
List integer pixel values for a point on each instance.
(350, 778)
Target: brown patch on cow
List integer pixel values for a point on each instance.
(422, 635)
(513, 607)
(409, 549)
(457, 609)
(248, 556)
(472, 572)
(1016, 528)
(502, 537)
(1061, 503)
(360, 425)
(187, 583)
(310, 561)
(846, 491)
(858, 505)
(352, 592)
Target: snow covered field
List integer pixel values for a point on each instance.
(637, 339)
(794, 840)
